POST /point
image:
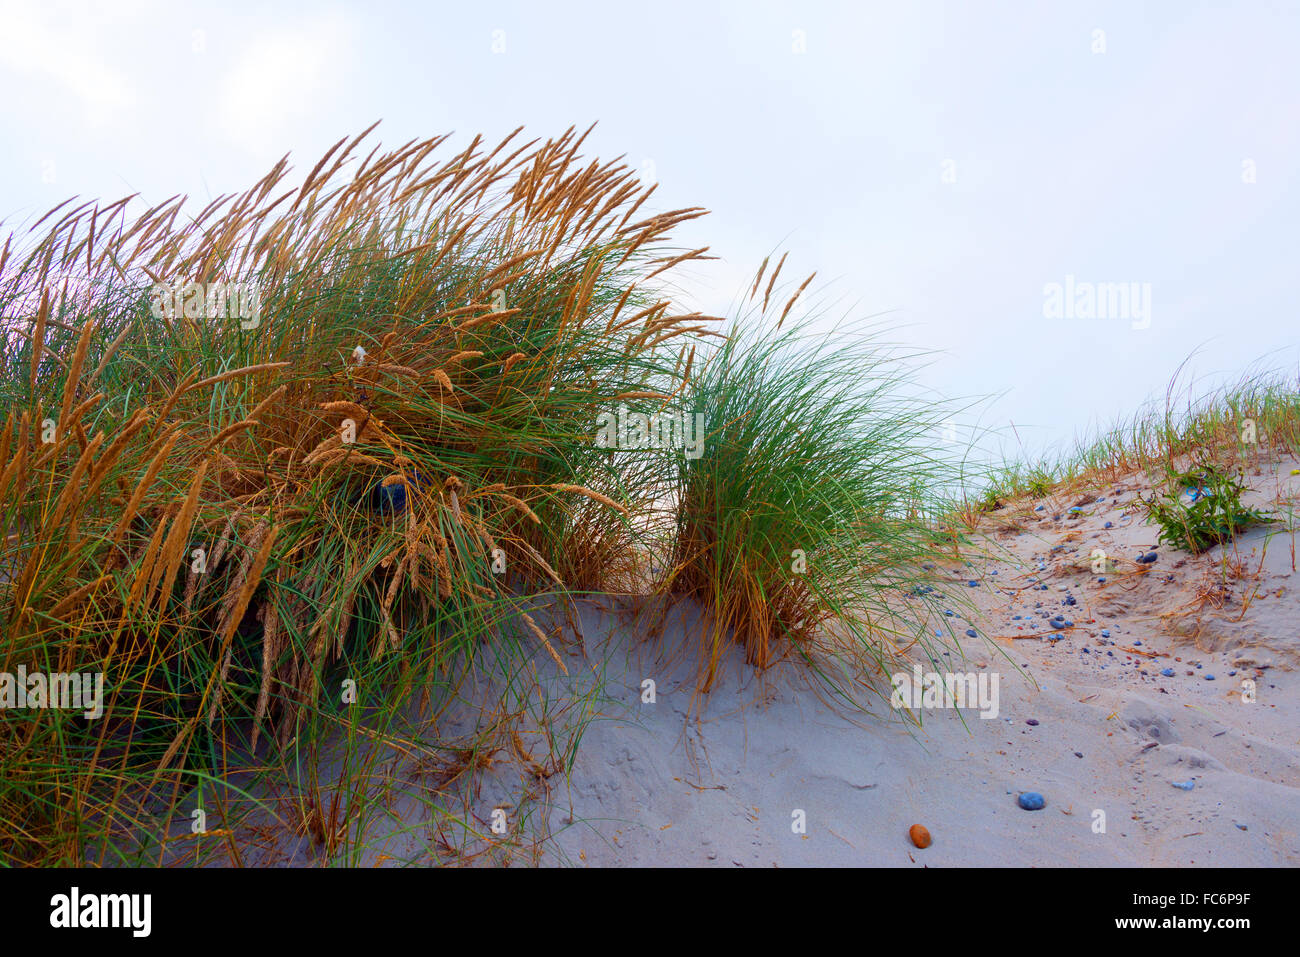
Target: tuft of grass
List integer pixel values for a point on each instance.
(806, 516)
(228, 517)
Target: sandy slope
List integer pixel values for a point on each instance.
(715, 780)
(1112, 733)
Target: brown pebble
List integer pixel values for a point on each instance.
(919, 835)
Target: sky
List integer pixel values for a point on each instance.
(969, 174)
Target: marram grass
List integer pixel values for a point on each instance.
(201, 505)
(811, 510)
(341, 435)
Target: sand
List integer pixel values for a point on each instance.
(726, 779)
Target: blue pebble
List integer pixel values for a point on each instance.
(1209, 677)
(1039, 509)
(1015, 617)
(1032, 801)
(1109, 525)
(1136, 643)
(970, 633)
(948, 612)
(1101, 581)
(973, 584)
(1183, 785)
(1058, 623)
(1167, 672)
(1105, 632)
(1231, 673)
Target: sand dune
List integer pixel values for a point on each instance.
(1180, 769)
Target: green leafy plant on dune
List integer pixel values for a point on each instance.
(1201, 508)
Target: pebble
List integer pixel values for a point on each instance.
(1148, 558)
(970, 633)
(919, 835)
(1032, 801)
(1209, 677)
(1109, 525)
(1167, 672)
(1183, 785)
(1032, 722)
(1105, 632)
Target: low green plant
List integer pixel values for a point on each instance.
(1212, 514)
(1039, 483)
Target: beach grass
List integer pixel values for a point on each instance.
(813, 508)
(348, 482)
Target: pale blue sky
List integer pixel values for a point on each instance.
(1117, 166)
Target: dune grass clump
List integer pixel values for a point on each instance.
(811, 512)
(314, 433)
(340, 443)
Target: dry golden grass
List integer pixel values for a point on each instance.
(443, 330)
